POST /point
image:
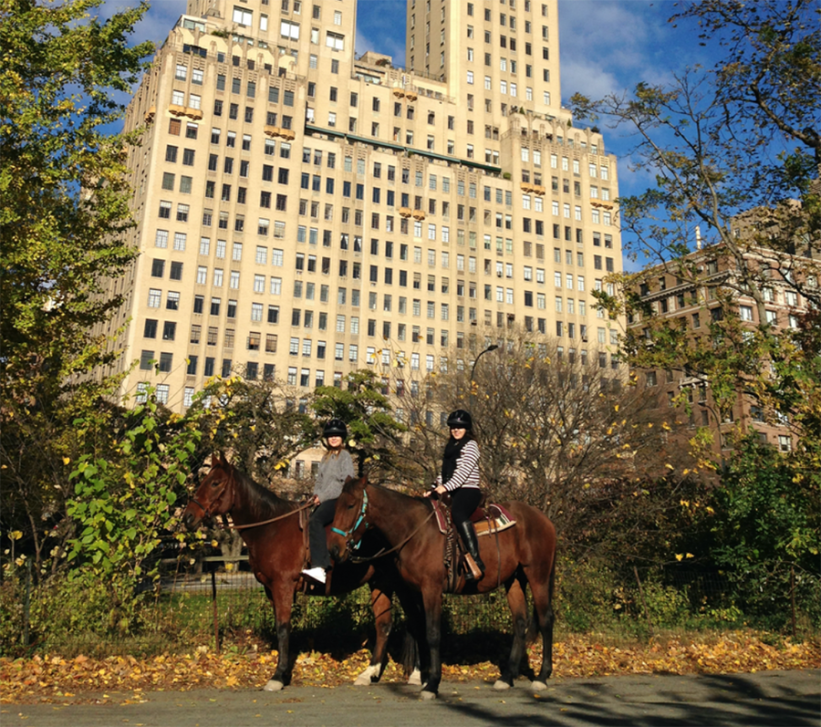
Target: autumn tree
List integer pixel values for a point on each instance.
(735, 153)
(562, 430)
(63, 218)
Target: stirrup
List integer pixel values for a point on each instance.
(474, 572)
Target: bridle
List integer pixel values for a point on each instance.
(348, 534)
(206, 511)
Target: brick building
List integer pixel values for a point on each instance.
(702, 297)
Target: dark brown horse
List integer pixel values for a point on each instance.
(275, 555)
(526, 555)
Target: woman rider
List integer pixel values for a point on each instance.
(336, 466)
(460, 477)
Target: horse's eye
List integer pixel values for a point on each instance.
(350, 507)
(215, 483)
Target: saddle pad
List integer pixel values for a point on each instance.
(491, 519)
(499, 519)
(440, 516)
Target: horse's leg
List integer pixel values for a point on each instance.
(381, 605)
(543, 605)
(518, 610)
(282, 602)
(432, 599)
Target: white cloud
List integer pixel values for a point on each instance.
(155, 24)
(609, 45)
(381, 27)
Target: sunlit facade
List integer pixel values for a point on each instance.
(302, 213)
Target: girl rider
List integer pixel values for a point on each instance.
(336, 466)
(460, 477)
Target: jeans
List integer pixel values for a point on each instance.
(322, 516)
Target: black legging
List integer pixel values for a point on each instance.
(463, 503)
(322, 516)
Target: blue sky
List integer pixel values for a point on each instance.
(606, 46)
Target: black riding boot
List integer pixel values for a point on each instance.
(469, 539)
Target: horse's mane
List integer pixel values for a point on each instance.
(263, 502)
(354, 482)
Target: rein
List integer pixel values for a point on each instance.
(271, 520)
(383, 552)
(359, 521)
(207, 514)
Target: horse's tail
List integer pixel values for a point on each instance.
(410, 653)
(532, 627)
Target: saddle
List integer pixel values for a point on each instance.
(487, 520)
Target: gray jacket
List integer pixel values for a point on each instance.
(332, 473)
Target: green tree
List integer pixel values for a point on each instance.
(257, 422)
(362, 403)
(766, 532)
(63, 218)
(124, 505)
(63, 191)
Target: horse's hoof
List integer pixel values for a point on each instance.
(368, 677)
(500, 685)
(426, 696)
(538, 686)
(415, 679)
(273, 685)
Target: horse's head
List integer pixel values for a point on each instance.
(349, 523)
(214, 496)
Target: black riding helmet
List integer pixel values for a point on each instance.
(460, 419)
(335, 428)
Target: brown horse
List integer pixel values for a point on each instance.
(526, 555)
(275, 555)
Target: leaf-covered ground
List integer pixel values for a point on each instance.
(124, 679)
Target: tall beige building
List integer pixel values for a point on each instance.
(302, 213)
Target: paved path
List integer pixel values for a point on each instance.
(783, 698)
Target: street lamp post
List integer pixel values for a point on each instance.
(472, 397)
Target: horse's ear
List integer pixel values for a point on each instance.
(215, 460)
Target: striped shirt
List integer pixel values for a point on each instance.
(467, 469)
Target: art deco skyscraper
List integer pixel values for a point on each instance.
(302, 213)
